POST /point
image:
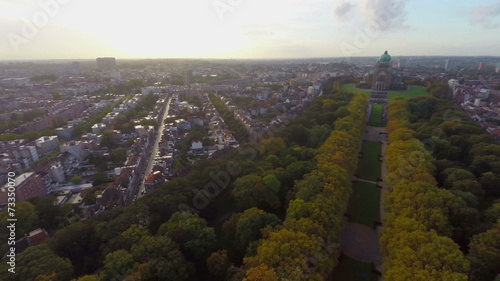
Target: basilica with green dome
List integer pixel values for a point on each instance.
(383, 76)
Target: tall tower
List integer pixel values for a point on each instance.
(449, 65)
(188, 78)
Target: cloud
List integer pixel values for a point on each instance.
(389, 14)
(343, 11)
(485, 15)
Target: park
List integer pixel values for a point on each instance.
(360, 258)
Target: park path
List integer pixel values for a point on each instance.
(382, 131)
(359, 241)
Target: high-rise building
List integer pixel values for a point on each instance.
(401, 63)
(106, 64)
(188, 77)
(497, 69)
(481, 66)
(449, 65)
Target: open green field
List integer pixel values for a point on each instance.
(413, 91)
(369, 166)
(417, 90)
(364, 203)
(351, 88)
(376, 116)
(352, 270)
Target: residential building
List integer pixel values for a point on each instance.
(56, 173)
(47, 144)
(30, 185)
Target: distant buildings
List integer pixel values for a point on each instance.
(449, 65)
(106, 64)
(481, 66)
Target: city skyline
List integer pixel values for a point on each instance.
(238, 29)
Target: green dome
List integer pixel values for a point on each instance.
(385, 57)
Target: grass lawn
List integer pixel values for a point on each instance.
(352, 270)
(376, 116)
(364, 203)
(351, 88)
(413, 91)
(369, 166)
(417, 90)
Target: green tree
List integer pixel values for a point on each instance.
(421, 255)
(76, 180)
(191, 233)
(261, 273)
(50, 215)
(73, 242)
(39, 261)
(250, 191)
(484, 249)
(56, 96)
(117, 266)
(119, 155)
(248, 225)
(27, 219)
(218, 264)
(160, 259)
(288, 253)
(272, 146)
(99, 178)
(492, 214)
(108, 140)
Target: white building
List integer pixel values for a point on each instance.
(65, 132)
(75, 148)
(98, 128)
(196, 145)
(28, 152)
(47, 144)
(56, 173)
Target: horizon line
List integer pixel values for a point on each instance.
(208, 58)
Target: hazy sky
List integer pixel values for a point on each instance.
(72, 29)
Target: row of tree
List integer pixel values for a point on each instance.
(306, 246)
(238, 129)
(467, 162)
(419, 215)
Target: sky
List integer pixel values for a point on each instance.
(232, 29)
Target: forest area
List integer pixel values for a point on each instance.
(443, 211)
